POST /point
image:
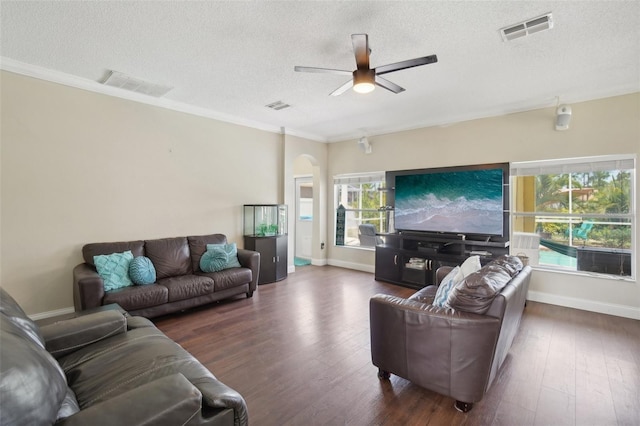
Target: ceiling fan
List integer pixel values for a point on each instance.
(365, 79)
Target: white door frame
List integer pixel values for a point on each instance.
(303, 228)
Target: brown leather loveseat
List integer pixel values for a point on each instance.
(104, 368)
(454, 350)
(180, 283)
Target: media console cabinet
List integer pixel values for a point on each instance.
(411, 259)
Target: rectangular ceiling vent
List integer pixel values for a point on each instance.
(133, 84)
(278, 105)
(541, 23)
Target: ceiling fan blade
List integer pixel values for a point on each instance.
(340, 90)
(322, 70)
(406, 64)
(361, 50)
(390, 86)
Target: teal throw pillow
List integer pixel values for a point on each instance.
(214, 260)
(445, 287)
(114, 269)
(232, 253)
(142, 271)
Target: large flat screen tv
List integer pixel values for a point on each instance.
(468, 200)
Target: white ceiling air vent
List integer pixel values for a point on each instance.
(278, 105)
(541, 23)
(133, 84)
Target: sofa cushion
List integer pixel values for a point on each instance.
(511, 264)
(476, 292)
(198, 245)
(170, 256)
(213, 260)
(114, 269)
(32, 385)
(232, 254)
(229, 278)
(69, 405)
(127, 361)
(137, 297)
(142, 271)
(187, 286)
(96, 249)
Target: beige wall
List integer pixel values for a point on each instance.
(606, 126)
(302, 167)
(80, 167)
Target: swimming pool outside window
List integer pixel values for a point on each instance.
(582, 209)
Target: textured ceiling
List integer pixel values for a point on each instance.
(233, 58)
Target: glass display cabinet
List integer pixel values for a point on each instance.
(265, 220)
(265, 231)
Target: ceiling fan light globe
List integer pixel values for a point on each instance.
(364, 87)
(364, 80)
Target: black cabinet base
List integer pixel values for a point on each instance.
(273, 256)
(412, 260)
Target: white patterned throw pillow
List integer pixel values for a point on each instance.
(470, 265)
(445, 287)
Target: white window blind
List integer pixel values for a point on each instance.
(573, 165)
(357, 178)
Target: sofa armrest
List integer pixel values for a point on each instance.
(250, 259)
(64, 337)
(170, 400)
(88, 287)
(217, 394)
(441, 349)
(134, 322)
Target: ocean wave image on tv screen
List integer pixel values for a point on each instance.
(466, 202)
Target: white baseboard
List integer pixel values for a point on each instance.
(351, 265)
(50, 314)
(315, 262)
(536, 296)
(585, 305)
(319, 262)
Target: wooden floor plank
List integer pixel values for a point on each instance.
(299, 353)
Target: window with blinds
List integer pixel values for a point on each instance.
(359, 200)
(582, 210)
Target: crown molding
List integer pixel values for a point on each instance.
(498, 111)
(46, 74)
(53, 76)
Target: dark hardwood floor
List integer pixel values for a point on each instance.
(298, 351)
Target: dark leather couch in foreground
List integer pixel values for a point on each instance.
(452, 351)
(180, 285)
(104, 369)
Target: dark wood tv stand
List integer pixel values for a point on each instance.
(412, 258)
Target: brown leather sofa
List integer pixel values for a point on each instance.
(452, 351)
(105, 368)
(180, 284)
